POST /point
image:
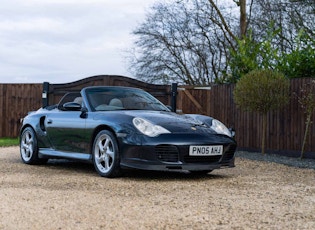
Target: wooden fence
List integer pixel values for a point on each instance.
(285, 129)
(284, 133)
(15, 101)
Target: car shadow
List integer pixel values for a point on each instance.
(70, 165)
(168, 175)
(84, 167)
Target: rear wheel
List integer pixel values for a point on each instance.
(105, 154)
(29, 148)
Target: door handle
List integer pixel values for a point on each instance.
(49, 121)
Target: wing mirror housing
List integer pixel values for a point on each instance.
(84, 111)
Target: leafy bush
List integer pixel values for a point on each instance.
(251, 55)
(300, 63)
(297, 62)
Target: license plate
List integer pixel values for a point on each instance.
(202, 150)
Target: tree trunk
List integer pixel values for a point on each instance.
(308, 122)
(264, 128)
(243, 20)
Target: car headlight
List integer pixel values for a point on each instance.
(220, 128)
(148, 128)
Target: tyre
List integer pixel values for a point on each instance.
(29, 148)
(105, 154)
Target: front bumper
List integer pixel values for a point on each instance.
(167, 153)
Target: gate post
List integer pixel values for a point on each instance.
(45, 92)
(173, 96)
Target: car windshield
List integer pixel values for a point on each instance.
(111, 98)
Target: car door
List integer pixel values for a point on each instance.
(66, 129)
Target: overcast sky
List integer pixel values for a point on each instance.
(61, 41)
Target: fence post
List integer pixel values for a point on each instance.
(173, 96)
(45, 92)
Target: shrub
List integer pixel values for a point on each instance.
(262, 91)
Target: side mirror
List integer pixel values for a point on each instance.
(83, 112)
(71, 106)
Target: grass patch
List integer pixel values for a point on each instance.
(6, 141)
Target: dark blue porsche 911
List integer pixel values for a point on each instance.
(120, 127)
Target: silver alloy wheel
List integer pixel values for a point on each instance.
(27, 146)
(104, 153)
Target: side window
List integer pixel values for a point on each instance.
(70, 97)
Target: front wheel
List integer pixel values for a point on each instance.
(105, 154)
(29, 148)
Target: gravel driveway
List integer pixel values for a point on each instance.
(70, 195)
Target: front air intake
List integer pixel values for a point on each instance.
(167, 153)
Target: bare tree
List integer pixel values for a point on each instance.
(187, 41)
(191, 41)
(290, 16)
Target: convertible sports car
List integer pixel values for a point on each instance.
(122, 127)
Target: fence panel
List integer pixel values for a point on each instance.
(15, 101)
(285, 129)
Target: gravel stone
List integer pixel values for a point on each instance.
(279, 159)
(256, 194)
